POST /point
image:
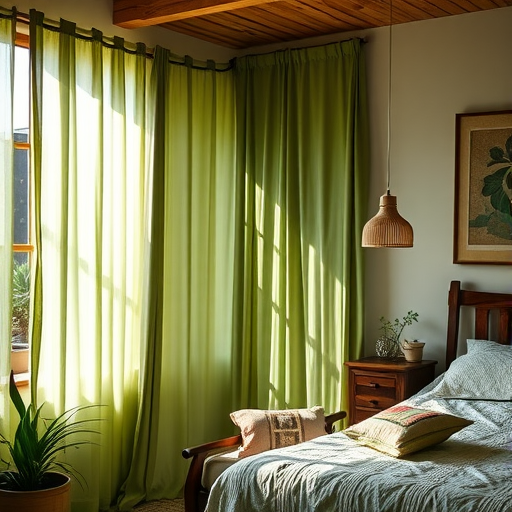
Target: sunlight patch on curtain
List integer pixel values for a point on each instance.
(90, 168)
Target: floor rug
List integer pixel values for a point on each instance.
(161, 506)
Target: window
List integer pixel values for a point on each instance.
(22, 248)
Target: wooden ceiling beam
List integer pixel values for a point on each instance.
(140, 13)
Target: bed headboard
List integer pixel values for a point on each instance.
(483, 303)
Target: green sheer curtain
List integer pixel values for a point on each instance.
(188, 377)
(133, 166)
(302, 180)
(90, 147)
(197, 244)
(6, 205)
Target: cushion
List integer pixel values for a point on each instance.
(265, 430)
(481, 374)
(215, 464)
(401, 429)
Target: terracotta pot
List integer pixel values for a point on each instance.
(19, 360)
(54, 499)
(413, 350)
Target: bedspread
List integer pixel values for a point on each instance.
(470, 472)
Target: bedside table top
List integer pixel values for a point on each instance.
(388, 365)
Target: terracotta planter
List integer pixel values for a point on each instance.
(413, 350)
(54, 499)
(19, 360)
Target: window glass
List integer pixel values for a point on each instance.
(21, 90)
(21, 193)
(21, 215)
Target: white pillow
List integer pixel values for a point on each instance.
(484, 373)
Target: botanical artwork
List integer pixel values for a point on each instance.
(483, 188)
(490, 202)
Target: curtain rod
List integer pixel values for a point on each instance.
(186, 60)
(84, 34)
(362, 39)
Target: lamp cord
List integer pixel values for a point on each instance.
(389, 97)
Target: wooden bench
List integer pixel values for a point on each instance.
(196, 496)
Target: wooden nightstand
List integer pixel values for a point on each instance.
(377, 383)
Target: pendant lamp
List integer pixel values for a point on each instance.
(388, 228)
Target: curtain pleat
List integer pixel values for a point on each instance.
(135, 487)
(302, 173)
(187, 376)
(7, 34)
(89, 169)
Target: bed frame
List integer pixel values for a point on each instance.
(483, 303)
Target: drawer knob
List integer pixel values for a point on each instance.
(374, 402)
(374, 385)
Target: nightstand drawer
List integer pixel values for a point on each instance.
(375, 385)
(373, 402)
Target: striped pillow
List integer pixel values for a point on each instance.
(401, 429)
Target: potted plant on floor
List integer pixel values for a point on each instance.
(39, 481)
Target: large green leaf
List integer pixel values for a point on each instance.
(16, 397)
(508, 147)
(494, 187)
(480, 222)
(497, 156)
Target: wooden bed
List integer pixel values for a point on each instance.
(483, 304)
(492, 320)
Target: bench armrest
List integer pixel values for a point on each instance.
(193, 488)
(330, 419)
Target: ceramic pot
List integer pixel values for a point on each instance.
(413, 350)
(19, 360)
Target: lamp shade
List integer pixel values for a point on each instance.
(388, 228)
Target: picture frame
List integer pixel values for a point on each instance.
(483, 188)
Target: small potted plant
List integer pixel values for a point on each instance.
(20, 317)
(33, 453)
(388, 344)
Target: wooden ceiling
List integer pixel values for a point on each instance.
(243, 24)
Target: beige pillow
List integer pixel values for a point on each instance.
(401, 429)
(265, 430)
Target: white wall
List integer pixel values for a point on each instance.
(440, 67)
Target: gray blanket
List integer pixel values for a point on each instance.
(470, 472)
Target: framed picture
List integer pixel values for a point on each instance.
(483, 188)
